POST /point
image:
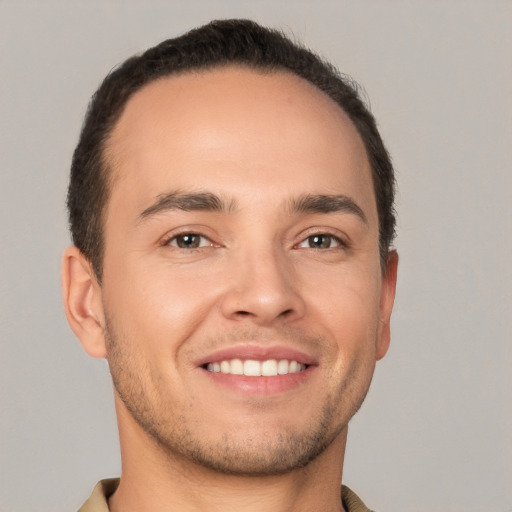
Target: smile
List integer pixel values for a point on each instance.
(253, 368)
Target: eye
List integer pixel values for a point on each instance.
(320, 241)
(189, 241)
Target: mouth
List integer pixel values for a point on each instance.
(252, 369)
(255, 368)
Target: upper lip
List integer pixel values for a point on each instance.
(258, 353)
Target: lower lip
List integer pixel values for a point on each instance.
(260, 385)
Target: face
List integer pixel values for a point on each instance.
(243, 298)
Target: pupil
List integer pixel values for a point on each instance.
(187, 241)
(320, 242)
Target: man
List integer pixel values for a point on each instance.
(231, 206)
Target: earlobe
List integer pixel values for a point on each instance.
(387, 300)
(83, 302)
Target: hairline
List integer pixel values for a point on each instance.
(108, 173)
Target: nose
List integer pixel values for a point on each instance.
(263, 288)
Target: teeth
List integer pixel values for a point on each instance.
(236, 367)
(269, 368)
(283, 367)
(252, 368)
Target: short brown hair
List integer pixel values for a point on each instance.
(216, 44)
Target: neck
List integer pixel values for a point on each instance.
(157, 481)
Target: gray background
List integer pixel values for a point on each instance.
(435, 433)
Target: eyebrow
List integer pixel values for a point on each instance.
(326, 203)
(199, 201)
(207, 201)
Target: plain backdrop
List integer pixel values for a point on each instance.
(435, 433)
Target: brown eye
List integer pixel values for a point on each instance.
(189, 241)
(320, 241)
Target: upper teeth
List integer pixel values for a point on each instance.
(252, 368)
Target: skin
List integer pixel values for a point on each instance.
(259, 143)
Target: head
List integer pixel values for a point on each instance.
(243, 201)
(218, 44)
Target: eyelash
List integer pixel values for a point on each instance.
(176, 237)
(330, 237)
(339, 243)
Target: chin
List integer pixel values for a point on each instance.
(250, 456)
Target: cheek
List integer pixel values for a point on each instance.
(348, 306)
(160, 302)
(352, 293)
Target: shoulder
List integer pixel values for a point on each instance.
(351, 501)
(98, 500)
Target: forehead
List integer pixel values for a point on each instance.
(233, 124)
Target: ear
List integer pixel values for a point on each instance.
(83, 302)
(387, 298)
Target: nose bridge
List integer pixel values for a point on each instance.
(263, 287)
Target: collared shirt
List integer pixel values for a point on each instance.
(98, 501)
